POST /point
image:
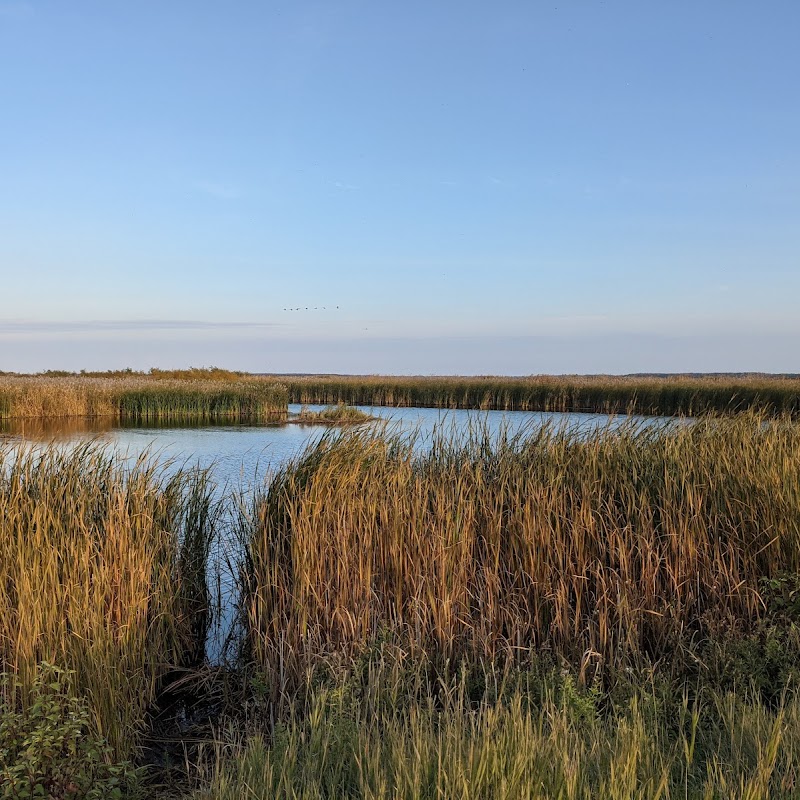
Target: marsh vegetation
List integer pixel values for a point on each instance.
(484, 547)
(338, 415)
(102, 574)
(142, 399)
(604, 394)
(534, 613)
(214, 392)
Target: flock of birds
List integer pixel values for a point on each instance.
(308, 308)
(314, 308)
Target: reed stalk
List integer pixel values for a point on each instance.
(605, 394)
(609, 545)
(102, 571)
(143, 399)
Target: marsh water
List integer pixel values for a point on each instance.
(241, 457)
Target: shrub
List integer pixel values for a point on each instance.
(46, 746)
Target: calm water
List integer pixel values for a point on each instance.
(242, 456)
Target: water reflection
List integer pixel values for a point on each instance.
(241, 455)
(65, 428)
(55, 428)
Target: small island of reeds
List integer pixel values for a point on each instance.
(339, 415)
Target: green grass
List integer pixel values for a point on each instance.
(559, 747)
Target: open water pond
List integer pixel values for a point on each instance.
(242, 455)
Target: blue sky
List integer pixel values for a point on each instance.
(478, 187)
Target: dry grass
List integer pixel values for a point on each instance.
(672, 395)
(102, 571)
(142, 399)
(192, 373)
(333, 415)
(98, 393)
(603, 547)
(399, 595)
(524, 617)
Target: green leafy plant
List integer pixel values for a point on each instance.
(781, 594)
(46, 747)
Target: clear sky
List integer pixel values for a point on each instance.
(439, 187)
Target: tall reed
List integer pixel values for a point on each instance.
(607, 546)
(607, 394)
(102, 571)
(143, 399)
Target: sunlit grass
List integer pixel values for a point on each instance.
(604, 546)
(550, 613)
(561, 749)
(333, 415)
(102, 571)
(143, 399)
(212, 392)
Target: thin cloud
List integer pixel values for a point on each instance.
(131, 325)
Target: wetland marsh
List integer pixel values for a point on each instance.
(442, 603)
